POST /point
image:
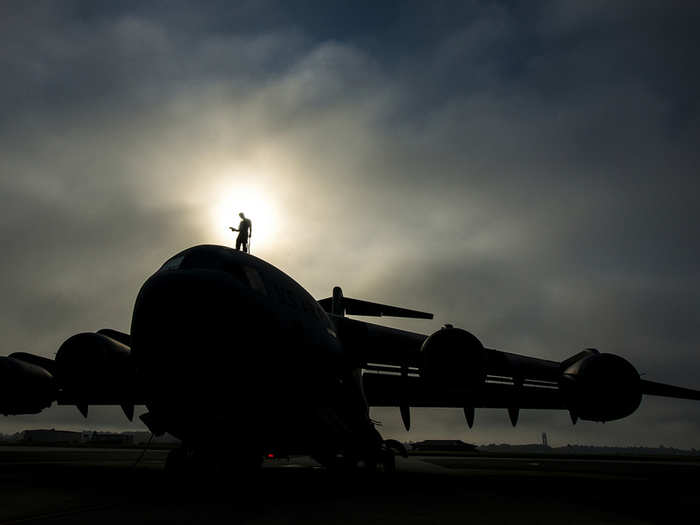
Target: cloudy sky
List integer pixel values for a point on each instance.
(528, 172)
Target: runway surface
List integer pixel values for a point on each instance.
(63, 485)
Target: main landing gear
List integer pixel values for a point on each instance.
(390, 449)
(382, 460)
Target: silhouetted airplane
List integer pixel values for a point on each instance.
(227, 349)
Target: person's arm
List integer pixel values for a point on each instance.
(250, 233)
(232, 229)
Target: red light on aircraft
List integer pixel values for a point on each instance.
(270, 456)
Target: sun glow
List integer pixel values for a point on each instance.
(257, 206)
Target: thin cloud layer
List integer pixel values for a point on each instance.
(526, 173)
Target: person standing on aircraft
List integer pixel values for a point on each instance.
(245, 231)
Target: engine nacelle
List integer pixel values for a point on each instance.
(25, 388)
(601, 387)
(454, 359)
(95, 366)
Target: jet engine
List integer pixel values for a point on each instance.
(25, 388)
(600, 387)
(454, 359)
(95, 366)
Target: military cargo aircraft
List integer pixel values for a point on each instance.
(224, 344)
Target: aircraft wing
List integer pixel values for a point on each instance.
(652, 388)
(89, 369)
(451, 368)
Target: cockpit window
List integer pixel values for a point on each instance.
(210, 259)
(254, 279)
(205, 259)
(174, 263)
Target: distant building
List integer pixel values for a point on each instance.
(111, 438)
(50, 436)
(141, 438)
(444, 445)
(510, 449)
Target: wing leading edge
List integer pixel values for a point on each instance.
(652, 388)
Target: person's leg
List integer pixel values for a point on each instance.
(238, 243)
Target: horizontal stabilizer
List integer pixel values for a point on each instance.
(359, 307)
(659, 389)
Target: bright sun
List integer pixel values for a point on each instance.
(256, 205)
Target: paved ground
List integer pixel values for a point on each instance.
(62, 486)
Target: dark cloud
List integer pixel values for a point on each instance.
(525, 171)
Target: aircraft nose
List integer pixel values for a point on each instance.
(194, 330)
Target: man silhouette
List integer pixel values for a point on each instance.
(245, 230)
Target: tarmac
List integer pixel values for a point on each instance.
(44, 485)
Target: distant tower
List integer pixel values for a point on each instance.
(544, 440)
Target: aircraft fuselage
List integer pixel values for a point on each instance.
(228, 347)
